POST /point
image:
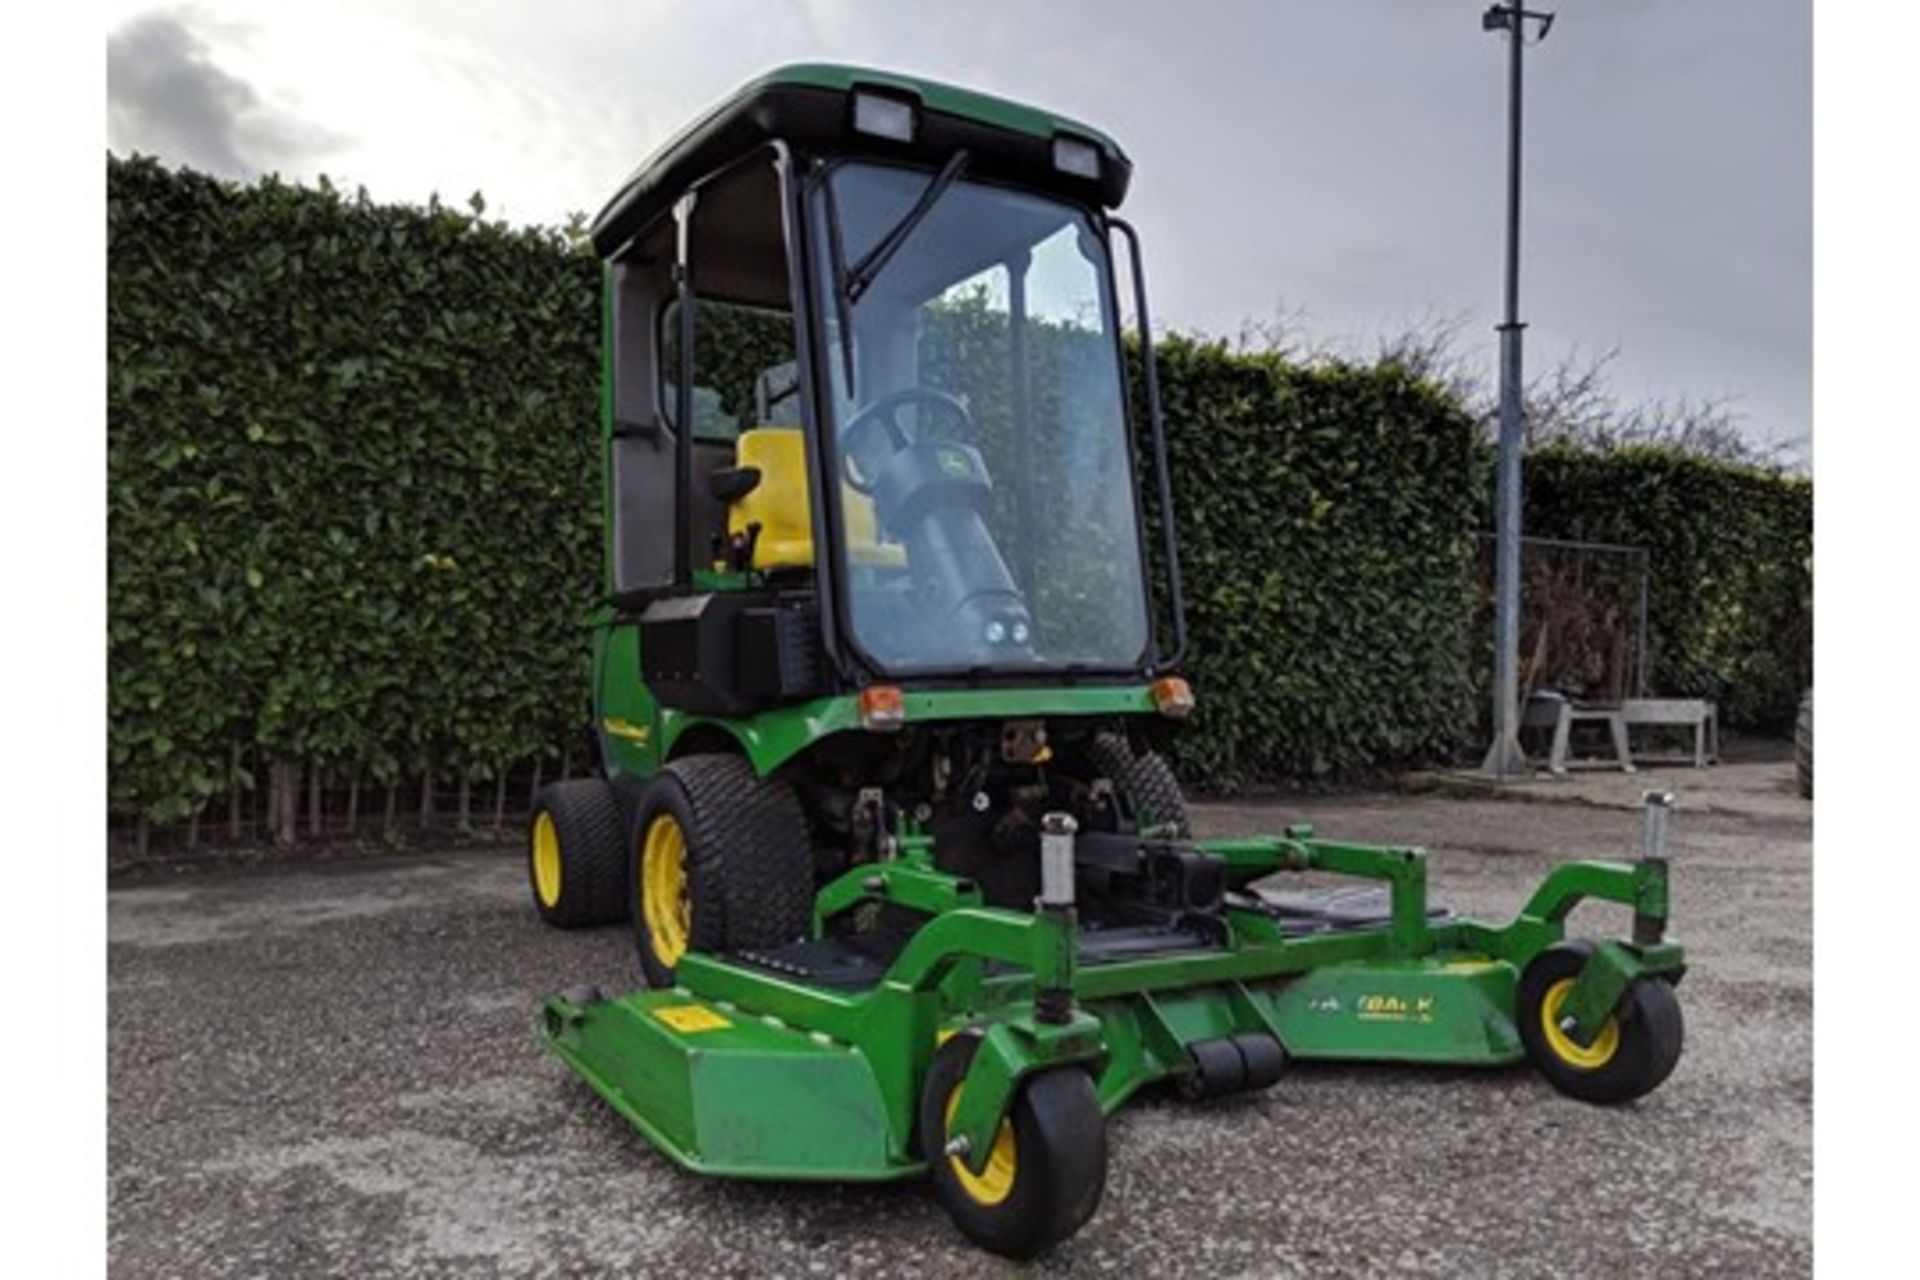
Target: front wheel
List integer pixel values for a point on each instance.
(1048, 1166)
(1636, 1049)
(721, 860)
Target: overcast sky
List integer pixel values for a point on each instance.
(1336, 164)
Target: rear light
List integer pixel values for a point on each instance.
(883, 707)
(1172, 698)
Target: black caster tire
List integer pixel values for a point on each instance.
(1049, 1162)
(1635, 1051)
(1218, 1068)
(576, 855)
(721, 861)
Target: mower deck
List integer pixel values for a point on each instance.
(804, 1061)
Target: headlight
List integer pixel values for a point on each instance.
(883, 117)
(1078, 157)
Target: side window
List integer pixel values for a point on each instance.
(743, 368)
(726, 243)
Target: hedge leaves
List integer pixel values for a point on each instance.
(353, 490)
(354, 503)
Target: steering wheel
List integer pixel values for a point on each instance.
(883, 416)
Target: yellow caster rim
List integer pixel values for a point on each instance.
(994, 1183)
(1588, 1057)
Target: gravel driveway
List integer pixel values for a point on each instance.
(331, 1068)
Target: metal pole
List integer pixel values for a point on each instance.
(1504, 757)
(1645, 658)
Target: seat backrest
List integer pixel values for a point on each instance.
(780, 506)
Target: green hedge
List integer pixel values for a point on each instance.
(353, 494)
(354, 506)
(1730, 549)
(1326, 521)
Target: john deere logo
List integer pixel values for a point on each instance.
(1394, 1008)
(621, 727)
(955, 463)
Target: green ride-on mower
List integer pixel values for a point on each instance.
(878, 681)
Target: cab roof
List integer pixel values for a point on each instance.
(809, 106)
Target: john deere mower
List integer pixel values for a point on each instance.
(879, 677)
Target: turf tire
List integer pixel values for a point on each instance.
(1146, 780)
(749, 861)
(1651, 1031)
(592, 855)
(1060, 1137)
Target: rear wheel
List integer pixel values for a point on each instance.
(1635, 1050)
(576, 859)
(1043, 1178)
(721, 861)
(1146, 780)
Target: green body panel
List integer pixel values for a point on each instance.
(950, 99)
(776, 735)
(982, 108)
(809, 1083)
(731, 1094)
(625, 714)
(1454, 1009)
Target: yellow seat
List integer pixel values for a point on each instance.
(779, 505)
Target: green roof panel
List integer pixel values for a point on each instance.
(805, 105)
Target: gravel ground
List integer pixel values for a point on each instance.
(330, 1068)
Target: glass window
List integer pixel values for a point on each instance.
(743, 368)
(979, 415)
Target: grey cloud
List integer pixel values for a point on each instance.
(1335, 166)
(166, 96)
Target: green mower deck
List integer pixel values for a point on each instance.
(748, 1071)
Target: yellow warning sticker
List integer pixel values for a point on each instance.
(689, 1018)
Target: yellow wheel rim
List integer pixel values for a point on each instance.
(546, 860)
(664, 901)
(995, 1182)
(1586, 1058)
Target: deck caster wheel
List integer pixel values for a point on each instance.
(576, 858)
(1043, 1178)
(1635, 1051)
(1265, 1058)
(1218, 1068)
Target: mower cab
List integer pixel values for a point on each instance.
(877, 685)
